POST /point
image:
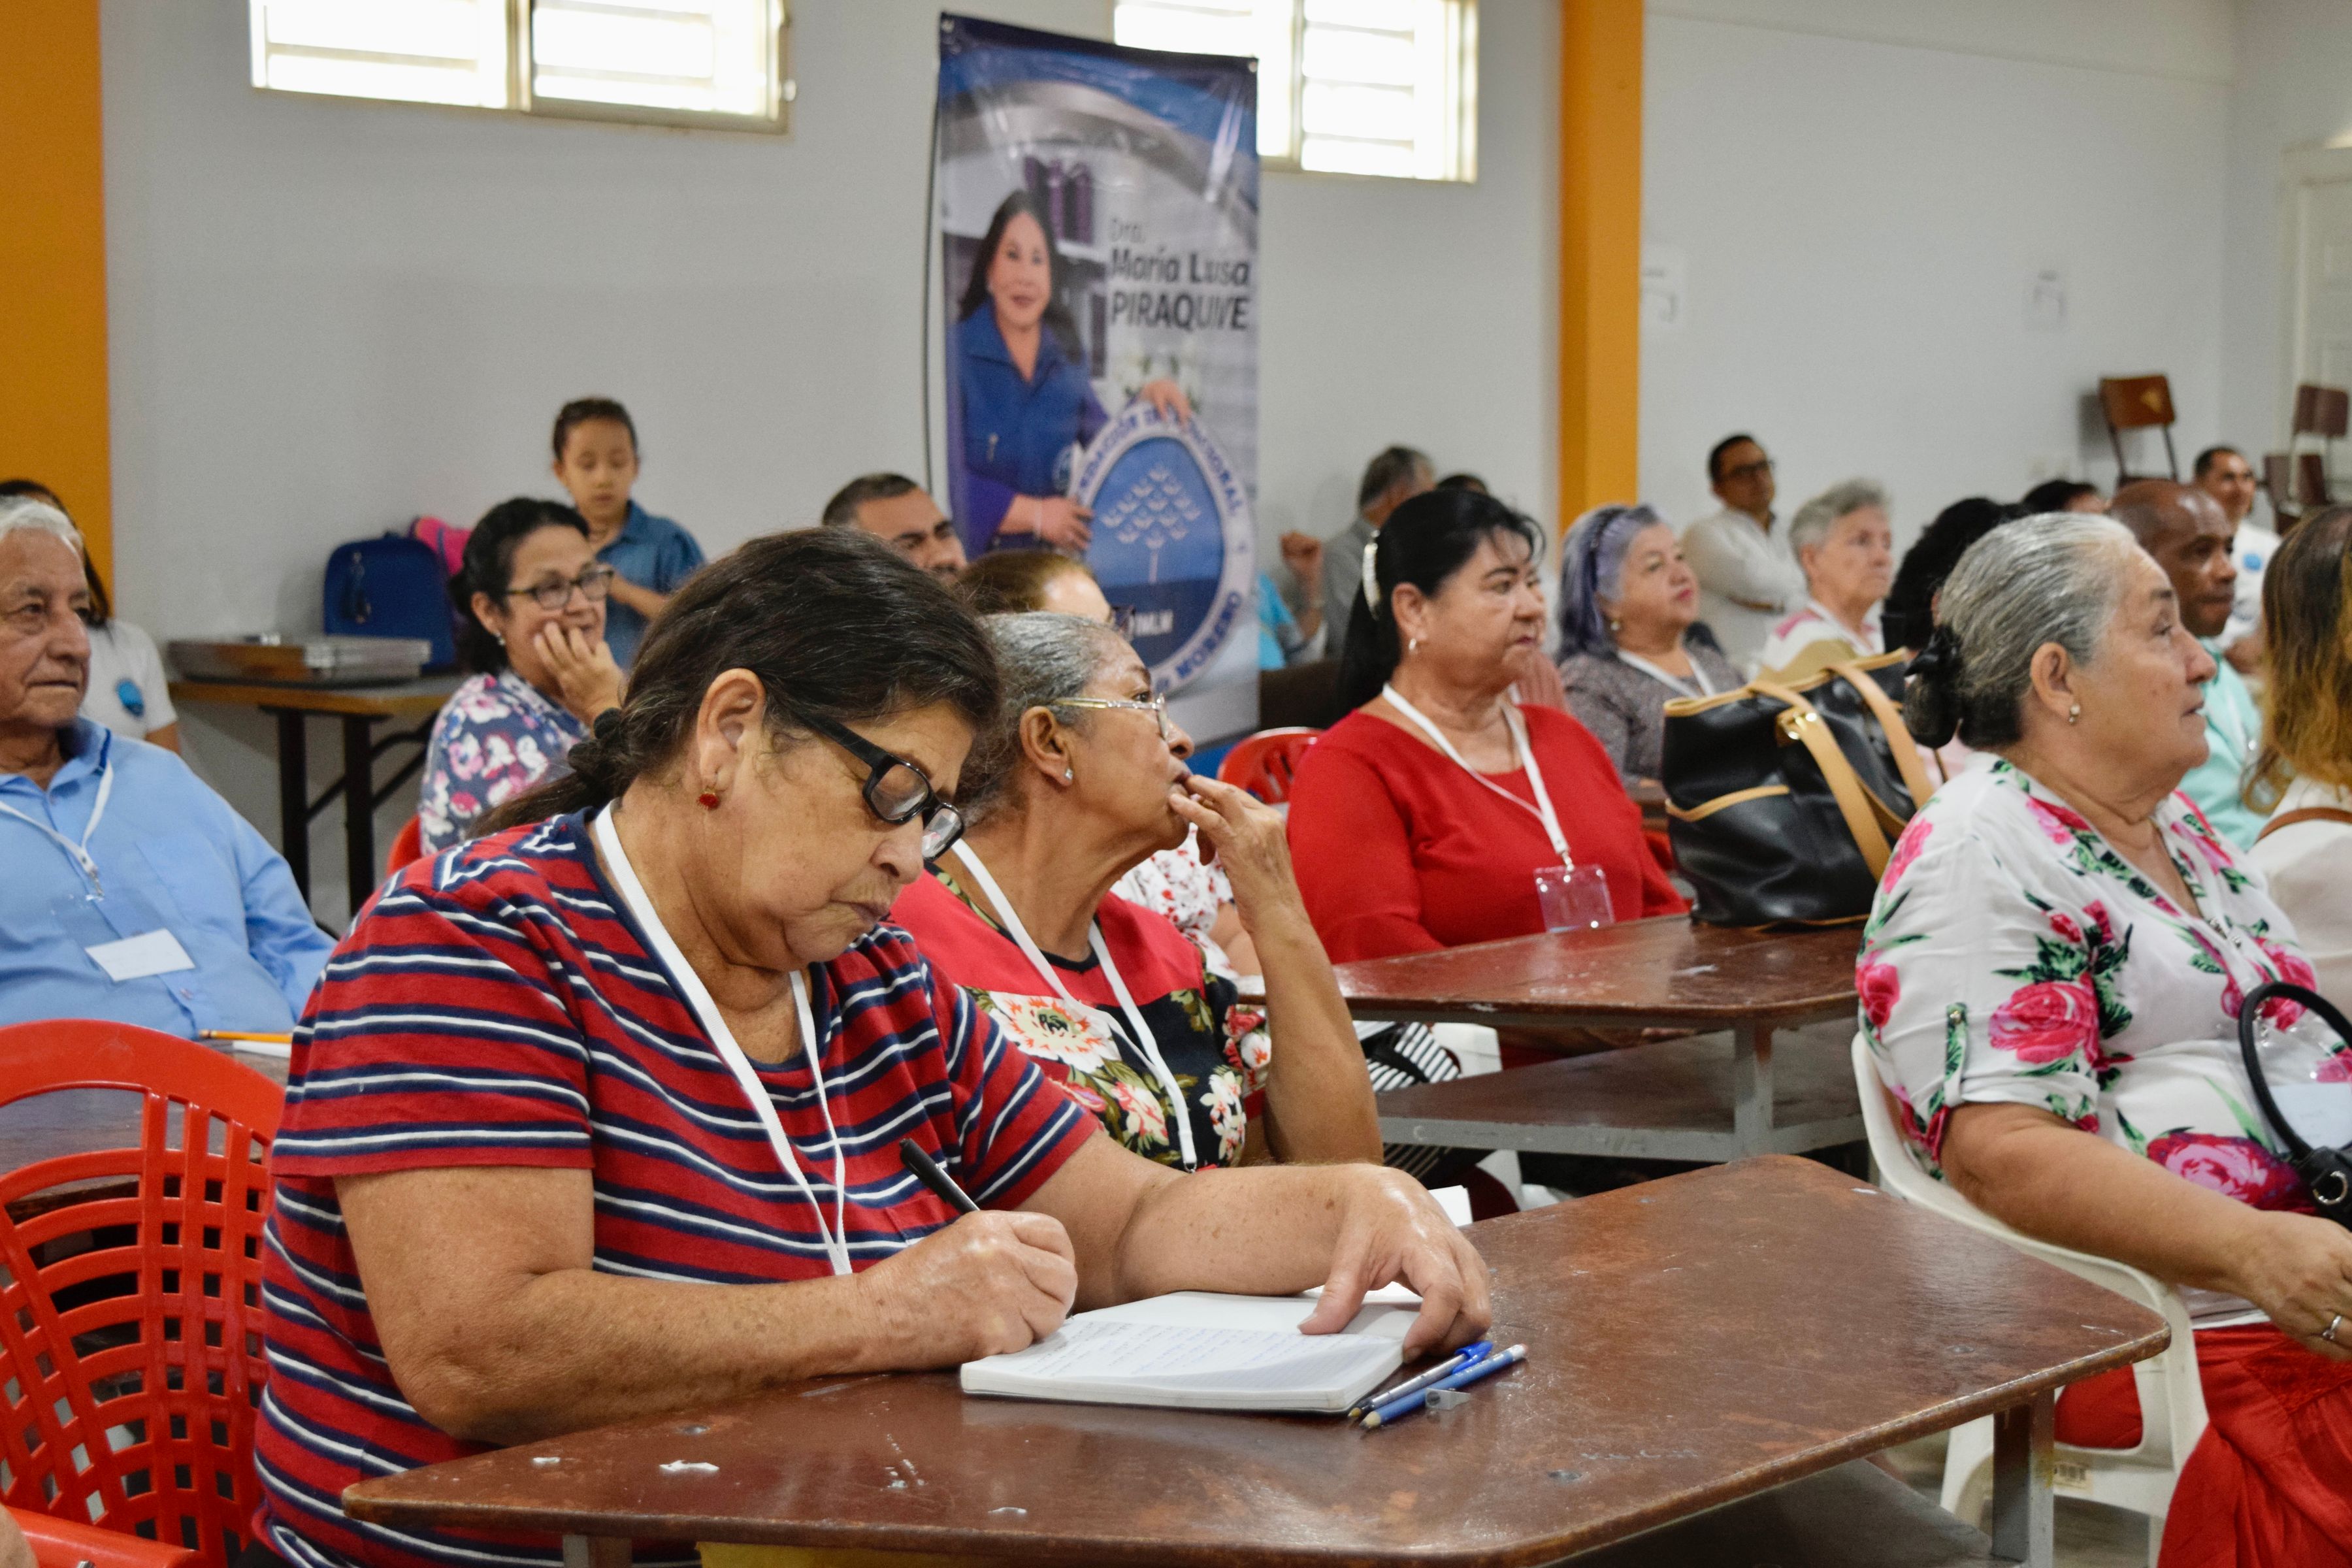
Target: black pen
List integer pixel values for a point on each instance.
(927, 1171)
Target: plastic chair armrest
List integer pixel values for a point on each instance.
(62, 1543)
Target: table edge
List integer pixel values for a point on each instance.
(361, 1504)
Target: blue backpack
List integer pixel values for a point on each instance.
(392, 586)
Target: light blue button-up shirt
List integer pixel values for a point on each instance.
(170, 855)
(2233, 727)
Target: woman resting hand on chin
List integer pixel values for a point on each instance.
(597, 1117)
(535, 596)
(1081, 779)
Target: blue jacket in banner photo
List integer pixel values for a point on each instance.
(1019, 432)
(653, 552)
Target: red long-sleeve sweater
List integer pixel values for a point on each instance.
(1398, 850)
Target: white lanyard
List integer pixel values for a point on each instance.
(1144, 1043)
(80, 852)
(697, 997)
(1542, 808)
(1697, 676)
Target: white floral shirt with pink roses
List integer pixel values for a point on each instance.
(496, 737)
(2013, 956)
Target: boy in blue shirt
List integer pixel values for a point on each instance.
(596, 463)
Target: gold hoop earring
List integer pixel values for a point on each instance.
(1411, 646)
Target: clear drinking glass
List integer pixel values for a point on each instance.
(1574, 898)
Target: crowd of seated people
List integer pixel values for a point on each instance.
(721, 804)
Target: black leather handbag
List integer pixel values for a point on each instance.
(1784, 802)
(2328, 1172)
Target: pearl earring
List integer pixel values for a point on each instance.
(1616, 626)
(2073, 712)
(1068, 776)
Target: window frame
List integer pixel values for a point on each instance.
(1462, 90)
(523, 102)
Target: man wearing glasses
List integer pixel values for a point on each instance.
(899, 512)
(1746, 577)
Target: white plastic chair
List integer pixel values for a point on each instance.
(2171, 1400)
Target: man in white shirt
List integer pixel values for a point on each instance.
(2223, 473)
(1748, 580)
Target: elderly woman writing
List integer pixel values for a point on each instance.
(1846, 543)
(1418, 820)
(1628, 634)
(2306, 761)
(534, 636)
(1080, 779)
(2051, 980)
(598, 1116)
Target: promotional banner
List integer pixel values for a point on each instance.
(1096, 213)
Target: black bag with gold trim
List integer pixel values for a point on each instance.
(1784, 802)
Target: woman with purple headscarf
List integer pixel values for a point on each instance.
(1630, 638)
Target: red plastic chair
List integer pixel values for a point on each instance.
(407, 847)
(131, 1310)
(1264, 764)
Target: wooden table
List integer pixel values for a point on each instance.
(1693, 1342)
(360, 708)
(1664, 1101)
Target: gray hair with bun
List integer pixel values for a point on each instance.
(2056, 578)
(1043, 658)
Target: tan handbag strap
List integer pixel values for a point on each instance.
(1898, 733)
(2304, 813)
(1804, 722)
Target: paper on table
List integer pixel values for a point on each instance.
(1198, 1349)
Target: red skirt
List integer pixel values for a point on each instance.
(2270, 1484)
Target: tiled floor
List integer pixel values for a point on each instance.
(2090, 1535)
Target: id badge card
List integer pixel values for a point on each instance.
(138, 957)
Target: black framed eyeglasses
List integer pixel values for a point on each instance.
(593, 585)
(896, 791)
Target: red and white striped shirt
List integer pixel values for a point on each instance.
(497, 1006)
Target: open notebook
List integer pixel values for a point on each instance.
(1196, 1351)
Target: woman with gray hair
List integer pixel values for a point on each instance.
(1845, 541)
(1080, 780)
(1630, 638)
(2051, 982)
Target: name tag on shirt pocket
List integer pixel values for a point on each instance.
(137, 957)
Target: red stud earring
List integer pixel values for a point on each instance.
(707, 800)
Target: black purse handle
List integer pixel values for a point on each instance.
(2249, 1017)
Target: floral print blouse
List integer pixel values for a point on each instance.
(1216, 1049)
(1179, 884)
(2014, 956)
(496, 737)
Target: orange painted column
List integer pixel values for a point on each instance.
(1600, 252)
(53, 418)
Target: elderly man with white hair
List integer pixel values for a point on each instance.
(1846, 543)
(132, 892)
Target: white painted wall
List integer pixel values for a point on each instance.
(328, 315)
(1862, 189)
(2293, 89)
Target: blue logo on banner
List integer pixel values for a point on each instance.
(1172, 538)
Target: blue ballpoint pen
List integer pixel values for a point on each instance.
(1468, 1374)
(1467, 1355)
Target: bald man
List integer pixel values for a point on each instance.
(2190, 536)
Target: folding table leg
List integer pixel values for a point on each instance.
(361, 867)
(294, 796)
(1751, 1088)
(595, 1551)
(2024, 1458)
